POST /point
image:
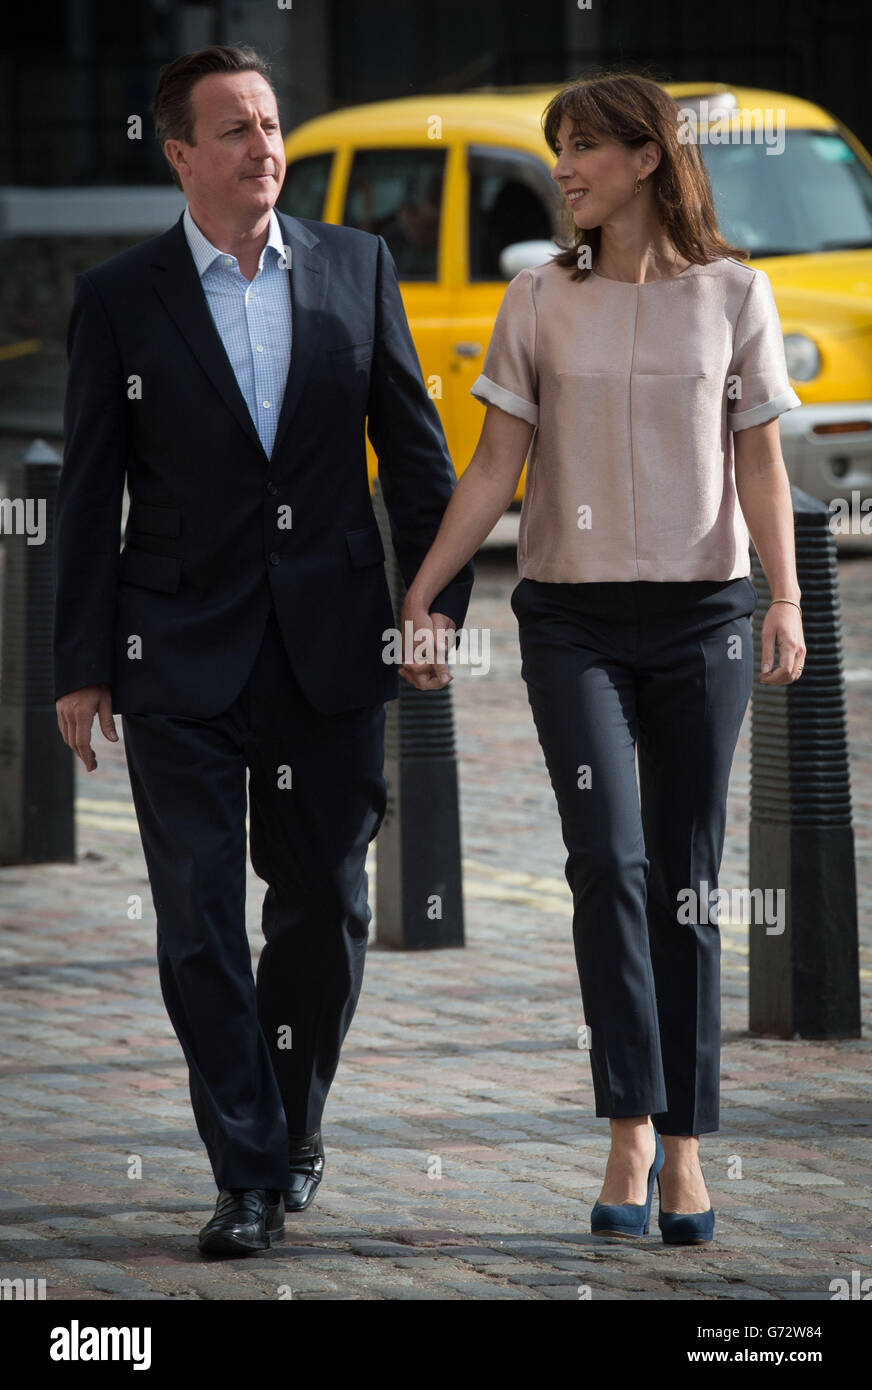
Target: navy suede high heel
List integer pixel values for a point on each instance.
(685, 1228)
(628, 1218)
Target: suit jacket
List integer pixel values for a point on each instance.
(209, 540)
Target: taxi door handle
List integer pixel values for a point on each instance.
(468, 349)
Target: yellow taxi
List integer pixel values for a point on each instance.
(460, 188)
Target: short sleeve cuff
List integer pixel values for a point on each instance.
(486, 390)
(759, 414)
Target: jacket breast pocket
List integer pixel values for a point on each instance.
(149, 571)
(365, 547)
(352, 355)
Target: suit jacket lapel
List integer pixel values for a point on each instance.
(309, 275)
(178, 286)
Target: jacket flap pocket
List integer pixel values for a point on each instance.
(155, 521)
(150, 571)
(365, 546)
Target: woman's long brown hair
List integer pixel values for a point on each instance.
(628, 107)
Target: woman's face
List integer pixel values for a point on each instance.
(597, 180)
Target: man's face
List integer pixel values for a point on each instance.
(237, 165)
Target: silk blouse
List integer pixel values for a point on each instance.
(635, 392)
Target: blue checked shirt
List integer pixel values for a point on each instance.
(253, 320)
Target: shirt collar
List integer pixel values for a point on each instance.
(205, 253)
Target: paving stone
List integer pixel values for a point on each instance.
(468, 1054)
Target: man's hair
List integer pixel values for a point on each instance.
(171, 109)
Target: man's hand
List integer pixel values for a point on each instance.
(76, 716)
(432, 633)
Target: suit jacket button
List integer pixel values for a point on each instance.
(273, 558)
(271, 489)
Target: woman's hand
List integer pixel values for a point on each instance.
(782, 627)
(428, 636)
(764, 496)
(483, 492)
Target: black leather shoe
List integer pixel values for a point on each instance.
(246, 1220)
(305, 1170)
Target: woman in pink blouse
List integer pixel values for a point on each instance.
(641, 374)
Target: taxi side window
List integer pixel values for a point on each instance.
(397, 194)
(512, 197)
(305, 187)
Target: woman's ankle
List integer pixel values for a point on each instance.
(681, 1156)
(680, 1143)
(635, 1132)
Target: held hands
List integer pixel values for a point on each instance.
(431, 639)
(782, 628)
(76, 715)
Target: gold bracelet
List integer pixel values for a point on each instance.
(784, 600)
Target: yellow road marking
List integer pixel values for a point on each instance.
(482, 882)
(23, 348)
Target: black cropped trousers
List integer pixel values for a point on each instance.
(262, 1050)
(665, 669)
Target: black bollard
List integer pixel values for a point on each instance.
(804, 981)
(36, 767)
(419, 884)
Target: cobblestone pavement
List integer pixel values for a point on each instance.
(460, 1061)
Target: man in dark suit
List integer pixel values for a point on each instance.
(229, 369)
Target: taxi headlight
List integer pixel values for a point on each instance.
(803, 357)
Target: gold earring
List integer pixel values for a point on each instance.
(638, 187)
